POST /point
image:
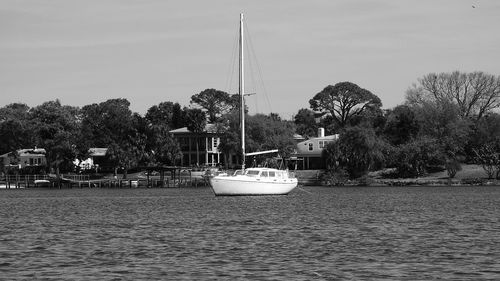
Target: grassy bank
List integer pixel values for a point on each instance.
(470, 174)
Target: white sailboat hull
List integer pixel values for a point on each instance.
(244, 185)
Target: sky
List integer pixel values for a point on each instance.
(88, 51)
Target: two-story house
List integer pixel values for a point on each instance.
(198, 149)
(309, 151)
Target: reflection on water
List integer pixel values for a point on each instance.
(188, 234)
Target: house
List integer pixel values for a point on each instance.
(199, 149)
(22, 158)
(310, 151)
(96, 154)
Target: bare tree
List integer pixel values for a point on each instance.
(474, 93)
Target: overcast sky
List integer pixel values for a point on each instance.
(87, 51)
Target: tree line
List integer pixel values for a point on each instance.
(446, 119)
(68, 132)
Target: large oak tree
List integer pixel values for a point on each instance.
(343, 102)
(214, 102)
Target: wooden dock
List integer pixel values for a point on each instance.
(176, 177)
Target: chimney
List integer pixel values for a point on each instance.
(321, 132)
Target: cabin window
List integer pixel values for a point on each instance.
(252, 173)
(264, 174)
(310, 146)
(272, 174)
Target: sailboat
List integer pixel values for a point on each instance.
(251, 181)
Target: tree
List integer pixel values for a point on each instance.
(475, 94)
(267, 132)
(483, 131)
(443, 122)
(402, 125)
(263, 132)
(305, 121)
(129, 150)
(214, 102)
(488, 156)
(196, 122)
(162, 145)
(343, 101)
(335, 174)
(112, 124)
(372, 117)
(415, 157)
(178, 117)
(357, 150)
(57, 129)
(15, 128)
(161, 114)
(228, 130)
(14, 110)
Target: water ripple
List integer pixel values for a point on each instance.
(417, 233)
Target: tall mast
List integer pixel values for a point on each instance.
(242, 94)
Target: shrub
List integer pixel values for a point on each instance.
(414, 158)
(357, 151)
(489, 158)
(334, 177)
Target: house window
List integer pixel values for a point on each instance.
(310, 146)
(215, 143)
(209, 144)
(323, 144)
(184, 143)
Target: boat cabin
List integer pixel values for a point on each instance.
(263, 173)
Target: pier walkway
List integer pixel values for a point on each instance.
(153, 177)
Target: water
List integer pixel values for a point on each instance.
(315, 233)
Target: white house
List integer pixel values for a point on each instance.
(310, 150)
(30, 157)
(90, 163)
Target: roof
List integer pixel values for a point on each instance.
(298, 137)
(98, 151)
(27, 152)
(209, 128)
(330, 138)
(31, 151)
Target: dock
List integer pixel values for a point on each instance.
(154, 177)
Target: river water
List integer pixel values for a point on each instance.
(314, 233)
